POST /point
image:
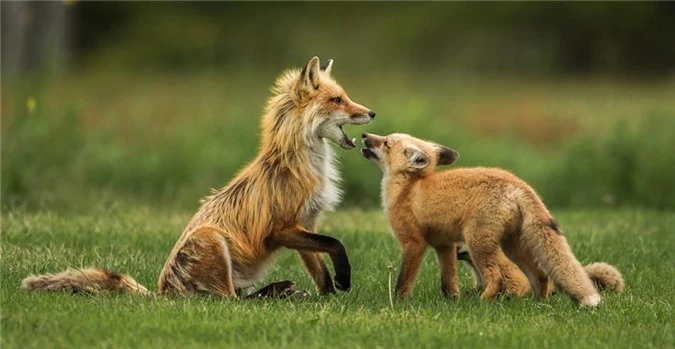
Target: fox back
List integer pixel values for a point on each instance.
(445, 201)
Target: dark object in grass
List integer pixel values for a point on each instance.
(281, 289)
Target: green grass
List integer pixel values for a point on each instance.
(136, 241)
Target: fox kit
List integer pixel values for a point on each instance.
(273, 202)
(489, 210)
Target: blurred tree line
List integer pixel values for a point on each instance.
(633, 38)
(156, 99)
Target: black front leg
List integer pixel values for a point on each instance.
(302, 240)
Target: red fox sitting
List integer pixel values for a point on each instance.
(490, 210)
(273, 202)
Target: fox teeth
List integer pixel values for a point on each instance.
(353, 140)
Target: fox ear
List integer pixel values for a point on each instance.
(417, 158)
(446, 156)
(327, 66)
(309, 77)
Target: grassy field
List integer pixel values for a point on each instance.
(94, 146)
(136, 240)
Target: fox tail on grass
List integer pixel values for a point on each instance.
(605, 276)
(89, 280)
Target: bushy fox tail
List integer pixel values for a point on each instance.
(605, 276)
(553, 255)
(90, 280)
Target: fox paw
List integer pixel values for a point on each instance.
(299, 294)
(342, 282)
(281, 289)
(328, 288)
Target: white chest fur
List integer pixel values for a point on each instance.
(327, 194)
(383, 192)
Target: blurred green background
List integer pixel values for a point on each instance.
(106, 104)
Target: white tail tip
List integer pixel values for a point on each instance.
(590, 301)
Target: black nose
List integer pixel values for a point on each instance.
(364, 136)
(371, 114)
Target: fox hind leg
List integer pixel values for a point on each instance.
(201, 265)
(525, 261)
(484, 252)
(514, 281)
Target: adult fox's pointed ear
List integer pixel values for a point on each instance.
(446, 156)
(309, 78)
(327, 66)
(417, 159)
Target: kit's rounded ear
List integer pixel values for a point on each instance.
(327, 66)
(417, 159)
(446, 156)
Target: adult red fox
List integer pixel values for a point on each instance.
(488, 209)
(273, 202)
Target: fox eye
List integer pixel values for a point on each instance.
(386, 144)
(337, 100)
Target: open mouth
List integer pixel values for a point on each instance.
(346, 142)
(368, 154)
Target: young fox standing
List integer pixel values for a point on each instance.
(490, 210)
(273, 202)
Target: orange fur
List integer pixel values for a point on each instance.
(493, 212)
(88, 280)
(605, 276)
(275, 201)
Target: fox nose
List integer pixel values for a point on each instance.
(371, 114)
(366, 141)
